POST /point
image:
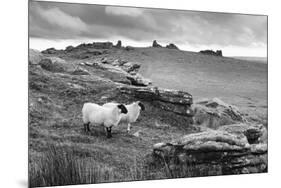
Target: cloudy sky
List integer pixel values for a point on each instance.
(58, 25)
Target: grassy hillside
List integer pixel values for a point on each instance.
(55, 103)
(56, 136)
(238, 82)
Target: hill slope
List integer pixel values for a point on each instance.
(235, 81)
(56, 96)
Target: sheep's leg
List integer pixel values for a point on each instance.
(87, 126)
(108, 132)
(129, 127)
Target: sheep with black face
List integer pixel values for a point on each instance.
(100, 115)
(132, 115)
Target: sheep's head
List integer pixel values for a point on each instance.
(140, 105)
(122, 108)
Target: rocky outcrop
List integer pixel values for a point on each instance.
(255, 133)
(34, 56)
(211, 52)
(219, 52)
(102, 45)
(214, 112)
(129, 67)
(156, 45)
(96, 45)
(172, 46)
(175, 101)
(231, 152)
(126, 69)
(69, 48)
(119, 44)
(51, 51)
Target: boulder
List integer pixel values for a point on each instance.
(172, 46)
(229, 152)
(214, 112)
(156, 45)
(53, 64)
(175, 101)
(34, 56)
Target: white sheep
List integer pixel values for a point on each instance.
(99, 115)
(132, 115)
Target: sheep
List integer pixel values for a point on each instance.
(132, 115)
(99, 115)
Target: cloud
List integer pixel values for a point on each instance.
(123, 11)
(53, 20)
(56, 17)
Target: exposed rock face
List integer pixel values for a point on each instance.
(228, 150)
(214, 112)
(119, 44)
(155, 44)
(172, 46)
(34, 56)
(175, 101)
(211, 52)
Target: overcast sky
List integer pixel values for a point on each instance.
(58, 25)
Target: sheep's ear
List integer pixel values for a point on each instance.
(122, 108)
(141, 106)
